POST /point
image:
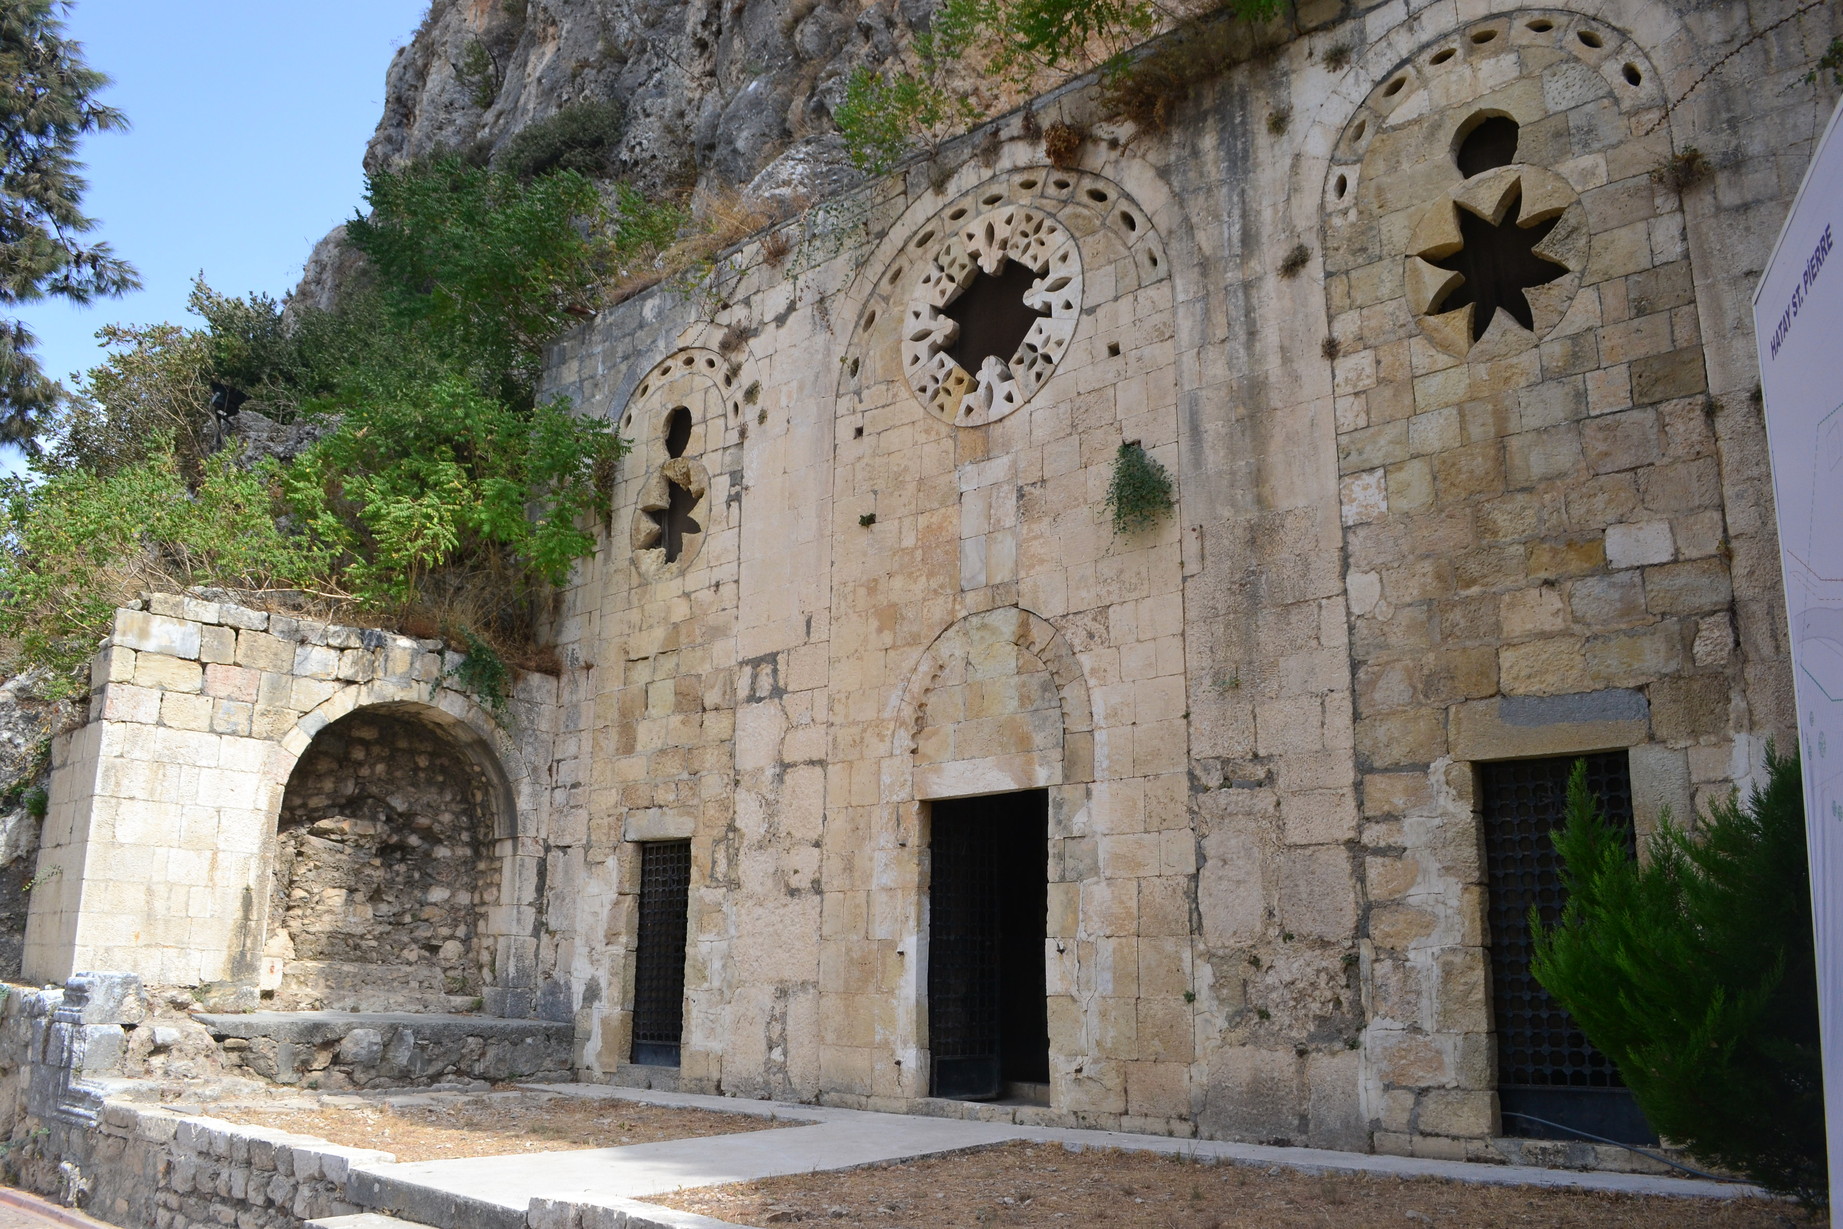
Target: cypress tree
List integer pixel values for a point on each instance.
(1694, 970)
(47, 104)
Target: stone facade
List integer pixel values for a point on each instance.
(1429, 516)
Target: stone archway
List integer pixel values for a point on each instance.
(383, 870)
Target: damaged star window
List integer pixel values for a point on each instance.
(1509, 238)
(672, 495)
(992, 314)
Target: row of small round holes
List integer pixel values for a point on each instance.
(1540, 25)
(688, 362)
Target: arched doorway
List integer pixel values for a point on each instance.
(384, 867)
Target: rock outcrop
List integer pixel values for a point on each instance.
(714, 92)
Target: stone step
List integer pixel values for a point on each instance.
(406, 1199)
(364, 1220)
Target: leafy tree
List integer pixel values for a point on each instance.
(1694, 971)
(47, 104)
(487, 266)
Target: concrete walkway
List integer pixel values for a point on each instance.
(496, 1191)
(24, 1210)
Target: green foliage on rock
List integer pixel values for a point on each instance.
(1694, 971)
(483, 267)
(885, 114)
(1140, 491)
(47, 105)
(439, 492)
(581, 137)
(1031, 45)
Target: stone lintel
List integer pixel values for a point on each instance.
(1514, 727)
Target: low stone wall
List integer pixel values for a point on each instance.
(339, 1050)
(83, 1067)
(149, 1168)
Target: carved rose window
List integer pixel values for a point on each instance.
(992, 315)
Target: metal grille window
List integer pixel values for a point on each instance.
(1552, 1083)
(659, 962)
(963, 967)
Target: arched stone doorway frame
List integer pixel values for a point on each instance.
(898, 903)
(506, 929)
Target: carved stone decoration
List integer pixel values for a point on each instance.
(650, 525)
(984, 245)
(1521, 207)
(657, 510)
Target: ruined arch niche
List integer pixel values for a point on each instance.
(682, 411)
(385, 865)
(1056, 222)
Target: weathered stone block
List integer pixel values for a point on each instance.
(1690, 707)
(262, 651)
(156, 633)
(1639, 543)
(157, 671)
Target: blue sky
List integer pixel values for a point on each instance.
(249, 125)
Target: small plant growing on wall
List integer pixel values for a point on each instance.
(1683, 169)
(1062, 145)
(1140, 492)
(483, 673)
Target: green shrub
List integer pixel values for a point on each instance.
(439, 492)
(581, 138)
(486, 267)
(1140, 492)
(1693, 970)
(79, 544)
(425, 484)
(885, 116)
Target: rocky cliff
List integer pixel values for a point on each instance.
(714, 91)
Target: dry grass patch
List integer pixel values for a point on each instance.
(1047, 1185)
(496, 1125)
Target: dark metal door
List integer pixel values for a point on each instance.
(963, 958)
(1552, 1083)
(659, 962)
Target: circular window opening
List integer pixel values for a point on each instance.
(1490, 142)
(678, 431)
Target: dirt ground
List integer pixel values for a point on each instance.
(1047, 1185)
(496, 1125)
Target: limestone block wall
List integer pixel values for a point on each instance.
(163, 815)
(1400, 548)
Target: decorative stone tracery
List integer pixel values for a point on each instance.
(985, 246)
(1527, 208)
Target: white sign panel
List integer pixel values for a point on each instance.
(1798, 321)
